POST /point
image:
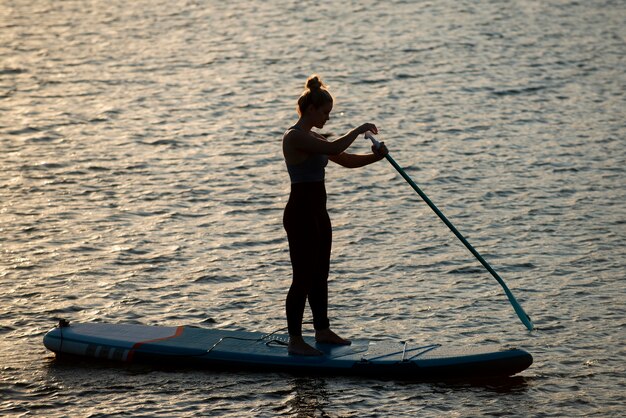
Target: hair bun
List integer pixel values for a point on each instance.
(314, 83)
(315, 94)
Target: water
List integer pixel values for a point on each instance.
(142, 181)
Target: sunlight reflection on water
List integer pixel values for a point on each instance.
(142, 181)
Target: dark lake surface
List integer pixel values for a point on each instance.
(142, 181)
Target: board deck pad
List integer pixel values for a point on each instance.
(242, 350)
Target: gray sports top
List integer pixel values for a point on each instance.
(309, 170)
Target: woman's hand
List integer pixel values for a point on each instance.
(380, 151)
(367, 127)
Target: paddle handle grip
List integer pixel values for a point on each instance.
(371, 137)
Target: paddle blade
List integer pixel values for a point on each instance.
(523, 316)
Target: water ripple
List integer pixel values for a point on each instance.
(142, 181)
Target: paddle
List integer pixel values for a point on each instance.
(518, 308)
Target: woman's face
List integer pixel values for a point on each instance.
(320, 115)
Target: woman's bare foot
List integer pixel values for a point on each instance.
(328, 337)
(298, 347)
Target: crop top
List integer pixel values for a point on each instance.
(309, 170)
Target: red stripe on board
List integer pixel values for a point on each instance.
(179, 331)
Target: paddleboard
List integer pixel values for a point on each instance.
(257, 351)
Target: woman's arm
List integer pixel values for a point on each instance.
(359, 160)
(312, 144)
(354, 160)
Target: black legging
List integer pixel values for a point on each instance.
(310, 236)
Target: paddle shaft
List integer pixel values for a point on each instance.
(518, 308)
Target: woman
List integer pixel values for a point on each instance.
(306, 219)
